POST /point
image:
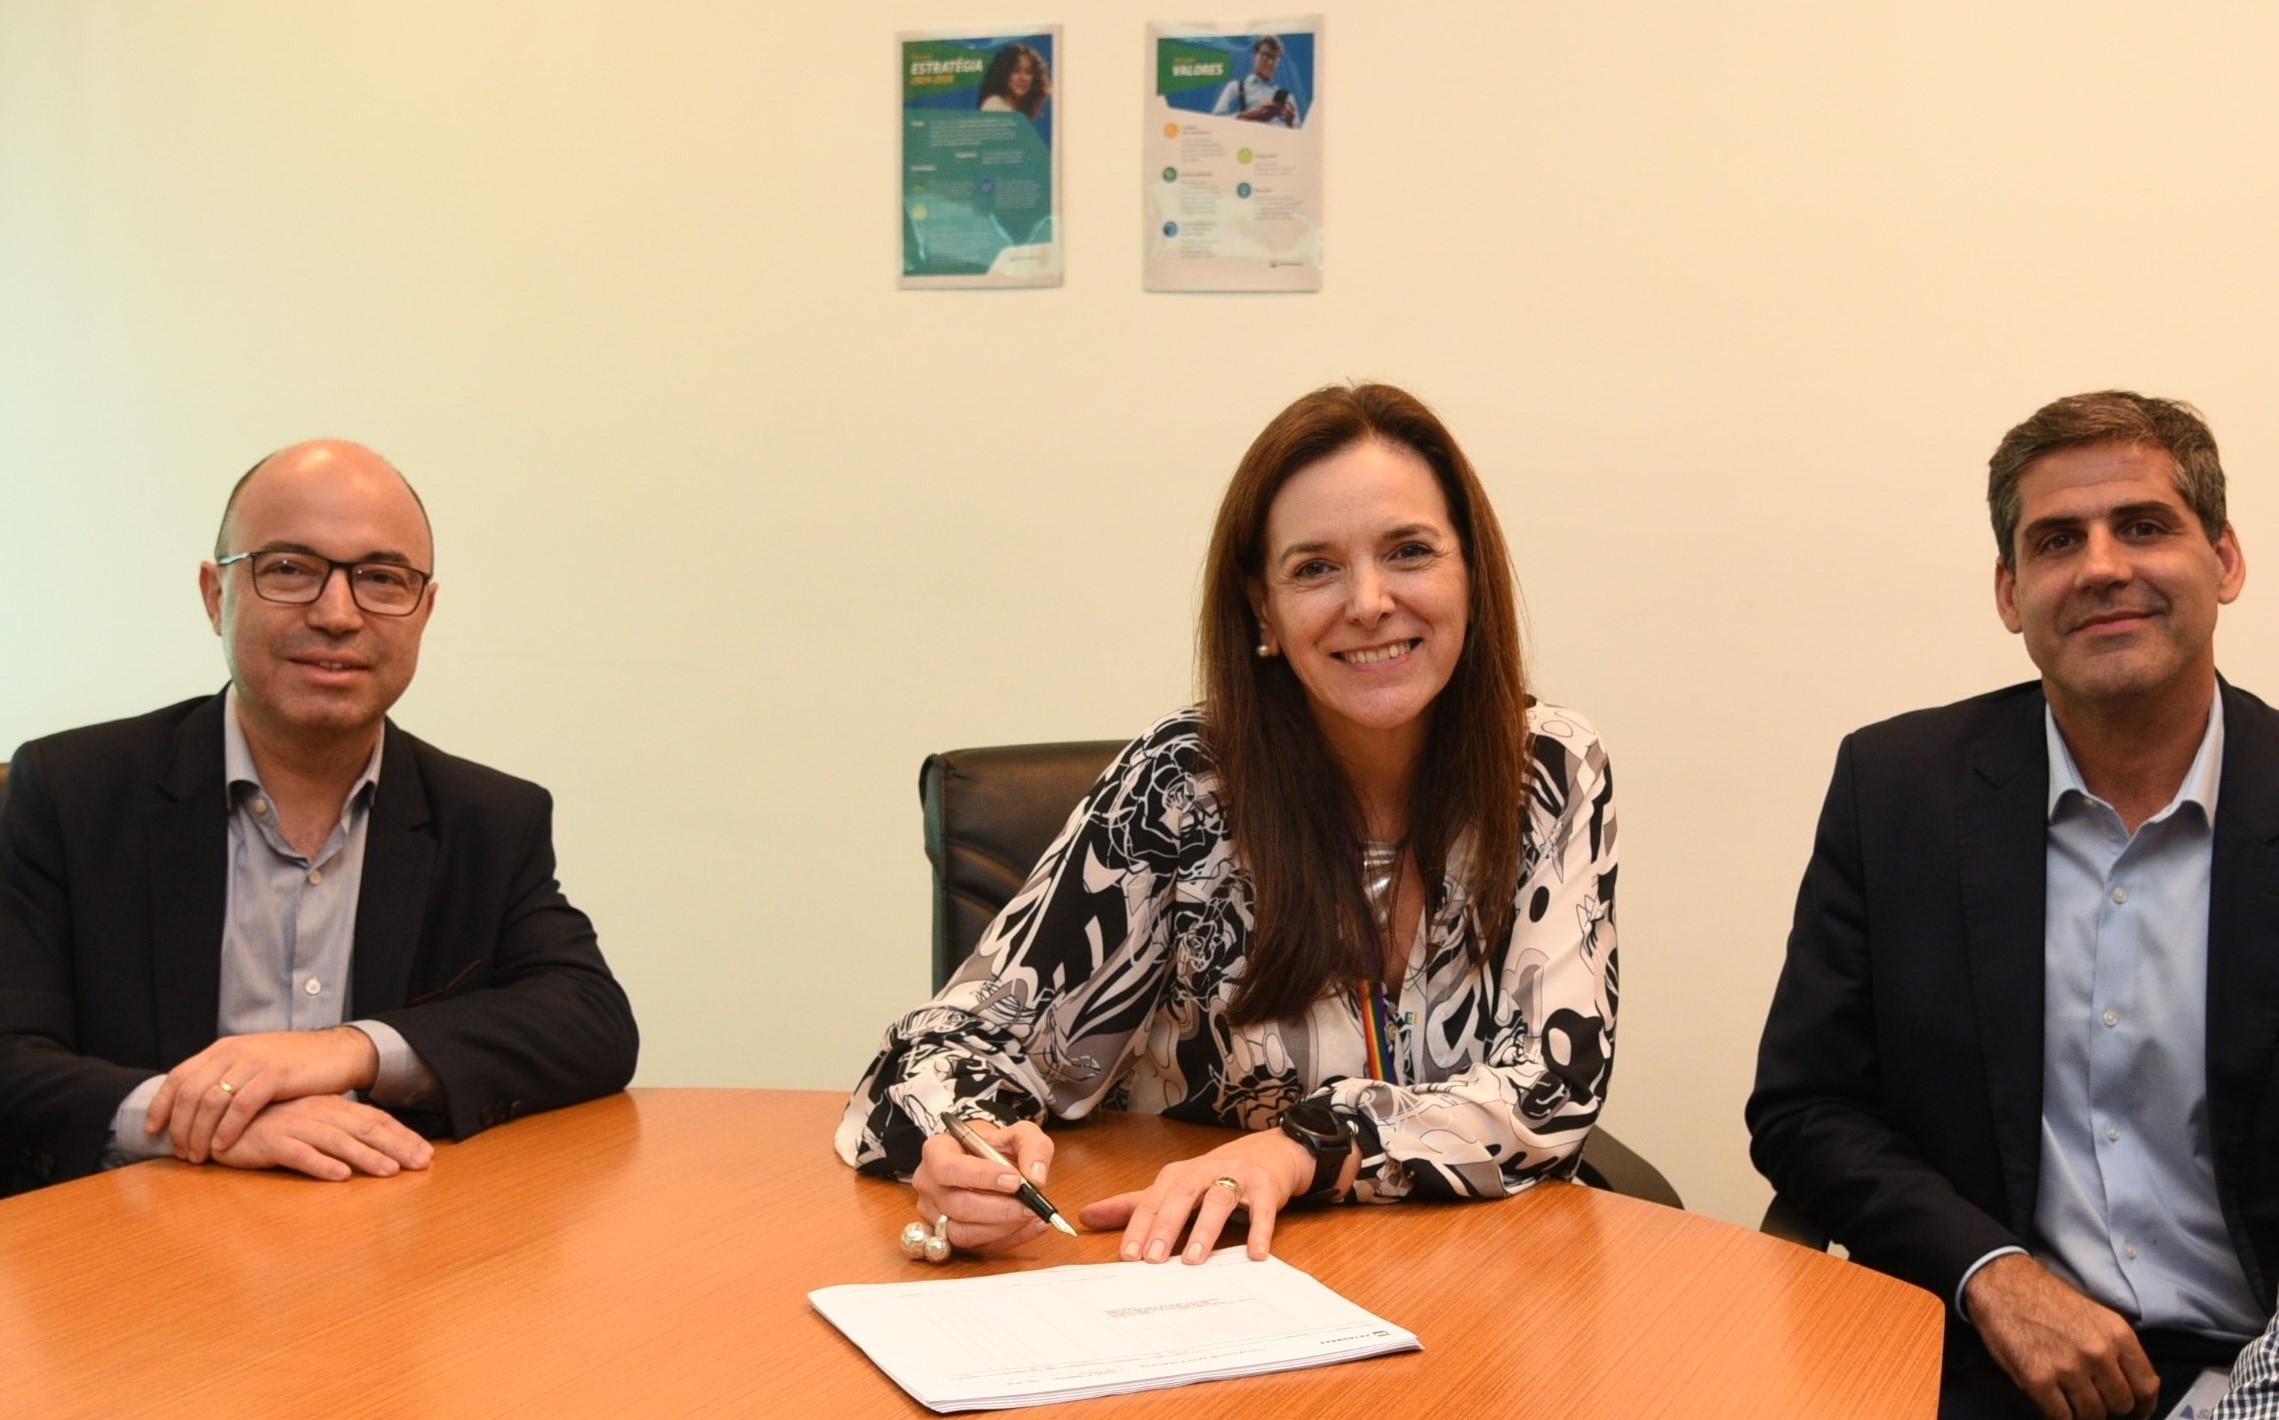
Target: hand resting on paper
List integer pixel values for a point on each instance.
(1187, 1196)
(979, 1198)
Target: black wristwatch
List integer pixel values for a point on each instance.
(1328, 1137)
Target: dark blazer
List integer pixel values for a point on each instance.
(1899, 1084)
(114, 883)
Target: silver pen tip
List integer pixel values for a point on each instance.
(1062, 1224)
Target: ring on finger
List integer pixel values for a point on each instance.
(932, 1244)
(913, 1239)
(1231, 1185)
(915, 1236)
(226, 1087)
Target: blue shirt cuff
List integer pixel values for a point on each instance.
(1964, 1285)
(403, 1081)
(129, 1144)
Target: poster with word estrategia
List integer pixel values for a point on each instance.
(1233, 157)
(980, 169)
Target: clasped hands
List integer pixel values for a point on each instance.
(285, 1107)
(986, 1217)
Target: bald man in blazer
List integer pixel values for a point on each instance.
(269, 928)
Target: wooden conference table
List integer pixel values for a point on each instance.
(650, 1254)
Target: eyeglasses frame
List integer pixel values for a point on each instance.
(426, 579)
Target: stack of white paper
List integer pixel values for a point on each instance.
(1029, 1338)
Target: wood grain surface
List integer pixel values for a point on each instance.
(650, 1254)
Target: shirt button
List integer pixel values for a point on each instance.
(2112, 1135)
(316, 875)
(313, 986)
(2120, 894)
(260, 806)
(2112, 1018)
(2130, 1252)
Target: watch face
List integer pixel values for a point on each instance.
(1315, 1123)
(1318, 1127)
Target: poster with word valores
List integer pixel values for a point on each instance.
(1232, 165)
(980, 169)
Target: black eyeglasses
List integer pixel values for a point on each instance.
(298, 578)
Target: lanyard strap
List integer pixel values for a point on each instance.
(1377, 1033)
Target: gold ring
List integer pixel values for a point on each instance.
(228, 1088)
(1231, 1185)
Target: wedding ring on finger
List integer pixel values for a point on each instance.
(1231, 1185)
(227, 1088)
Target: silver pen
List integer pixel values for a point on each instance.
(982, 1148)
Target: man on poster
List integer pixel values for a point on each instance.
(1255, 97)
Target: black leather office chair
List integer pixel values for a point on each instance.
(1784, 1219)
(990, 813)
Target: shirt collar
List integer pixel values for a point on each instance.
(237, 754)
(2200, 781)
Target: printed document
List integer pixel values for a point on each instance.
(1065, 1333)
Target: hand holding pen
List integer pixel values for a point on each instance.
(985, 1187)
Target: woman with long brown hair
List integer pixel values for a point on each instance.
(1018, 81)
(1359, 904)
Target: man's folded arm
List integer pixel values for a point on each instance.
(1816, 1127)
(56, 1105)
(402, 1080)
(544, 1026)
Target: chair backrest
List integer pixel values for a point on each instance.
(3, 779)
(990, 814)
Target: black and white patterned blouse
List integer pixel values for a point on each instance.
(1106, 981)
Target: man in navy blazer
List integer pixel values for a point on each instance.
(269, 928)
(2023, 1047)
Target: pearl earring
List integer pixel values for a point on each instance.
(1265, 649)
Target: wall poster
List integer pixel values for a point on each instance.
(1233, 157)
(980, 170)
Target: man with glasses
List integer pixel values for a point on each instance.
(1255, 96)
(268, 928)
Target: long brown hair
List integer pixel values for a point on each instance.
(998, 82)
(1294, 814)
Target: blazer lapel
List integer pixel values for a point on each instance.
(2002, 830)
(2243, 946)
(399, 855)
(189, 887)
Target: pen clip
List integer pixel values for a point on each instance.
(959, 1123)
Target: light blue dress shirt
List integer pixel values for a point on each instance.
(288, 934)
(2127, 1208)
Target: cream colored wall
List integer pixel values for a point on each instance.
(1728, 303)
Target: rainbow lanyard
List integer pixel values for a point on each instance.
(1377, 1030)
